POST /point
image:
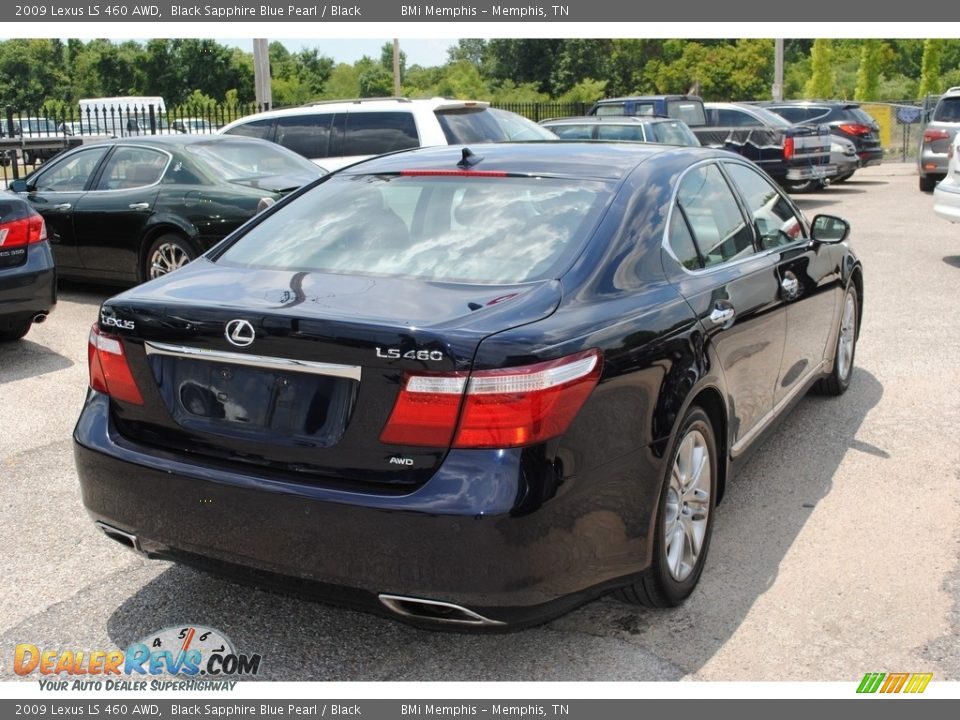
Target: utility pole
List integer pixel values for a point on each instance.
(396, 67)
(261, 73)
(778, 70)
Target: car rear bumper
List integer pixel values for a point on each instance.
(869, 158)
(469, 536)
(28, 289)
(930, 163)
(811, 172)
(946, 200)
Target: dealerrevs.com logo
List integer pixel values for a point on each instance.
(188, 651)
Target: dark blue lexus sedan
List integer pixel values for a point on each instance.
(469, 387)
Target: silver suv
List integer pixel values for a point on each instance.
(944, 123)
(340, 132)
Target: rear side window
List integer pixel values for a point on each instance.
(714, 217)
(132, 167)
(456, 229)
(376, 133)
(620, 132)
(793, 114)
(948, 110)
(262, 129)
(307, 135)
(573, 132)
(734, 118)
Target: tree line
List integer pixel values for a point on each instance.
(57, 73)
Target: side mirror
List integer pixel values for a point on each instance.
(19, 186)
(829, 229)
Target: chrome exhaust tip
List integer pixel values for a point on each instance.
(122, 537)
(436, 611)
(39, 318)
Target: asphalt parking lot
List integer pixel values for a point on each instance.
(835, 551)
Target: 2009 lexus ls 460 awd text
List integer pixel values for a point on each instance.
(468, 387)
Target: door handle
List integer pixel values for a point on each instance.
(722, 316)
(62, 206)
(791, 287)
(139, 206)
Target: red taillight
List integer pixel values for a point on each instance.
(855, 128)
(23, 231)
(501, 408)
(109, 371)
(788, 148)
(933, 134)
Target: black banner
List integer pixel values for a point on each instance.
(514, 11)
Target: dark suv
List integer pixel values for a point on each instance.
(846, 119)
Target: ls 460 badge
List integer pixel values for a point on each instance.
(395, 354)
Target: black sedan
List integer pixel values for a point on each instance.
(28, 287)
(132, 209)
(469, 386)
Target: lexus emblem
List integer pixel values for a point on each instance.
(239, 333)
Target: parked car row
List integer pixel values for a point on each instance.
(802, 144)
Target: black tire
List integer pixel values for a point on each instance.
(660, 585)
(837, 382)
(16, 332)
(927, 183)
(166, 254)
(28, 158)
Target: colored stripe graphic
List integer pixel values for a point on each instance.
(894, 683)
(870, 682)
(918, 682)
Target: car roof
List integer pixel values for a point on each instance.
(588, 160)
(609, 120)
(647, 97)
(367, 104)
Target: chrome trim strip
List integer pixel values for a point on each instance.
(765, 421)
(350, 372)
(393, 603)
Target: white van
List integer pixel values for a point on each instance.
(123, 116)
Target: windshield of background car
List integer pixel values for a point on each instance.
(674, 133)
(498, 230)
(233, 160)
(948, 110)
(470, 125)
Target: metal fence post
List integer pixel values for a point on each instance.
(13, 156)
(153, 120)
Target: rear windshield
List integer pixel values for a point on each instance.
(235, 159)
(948, 110)
(674, 133)
(462, 126)
(450, 228)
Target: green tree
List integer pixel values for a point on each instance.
(822, 75)
(930, 83)
(580, 59)
(868, 74)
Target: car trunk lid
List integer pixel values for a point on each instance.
(296, 373)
